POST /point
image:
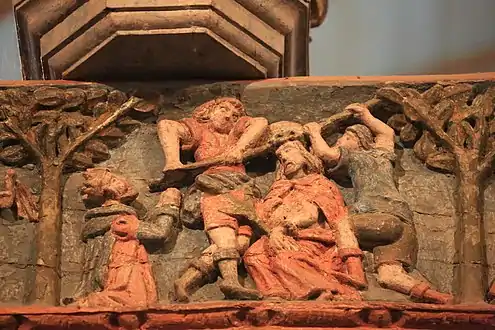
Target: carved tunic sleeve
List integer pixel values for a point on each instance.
(164, 221)
(372, 175)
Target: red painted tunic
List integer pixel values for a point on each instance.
(207, 144)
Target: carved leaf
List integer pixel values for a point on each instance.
(74, 97)
(98, 94)
(99, 109)
(49, 96)
(484, 103)
(48, 116)
(127, 124)
(144, 106)
(111, 133)
(81, 161)
(97, 150)
(397, 121)
(116, 98)
(6, 136)
(409, 133)
(410, 99)
(457, 132)
(458, 93)
(425, 146)
(13, 155)
(434, 94)
(443, 111)
(441, 160)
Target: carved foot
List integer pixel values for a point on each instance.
(438, 297)
(237, 292)
(423, 292)
(180, 293)
(68, 301)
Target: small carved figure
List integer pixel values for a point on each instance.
(310, 250)
(18, 199)
(382, 219)
(217, 129)
(116, 262)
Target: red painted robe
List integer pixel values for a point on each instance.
(315, 268)
(129, 280)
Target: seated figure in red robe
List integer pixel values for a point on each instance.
(310, 251)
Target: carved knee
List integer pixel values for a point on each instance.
(243, 244)
(226, 254)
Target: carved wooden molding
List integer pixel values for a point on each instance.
(73, 40)
(263, 315)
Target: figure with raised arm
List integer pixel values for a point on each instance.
(381, 218)
(218, 128)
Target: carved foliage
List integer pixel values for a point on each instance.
(49, 122)
(457, 117)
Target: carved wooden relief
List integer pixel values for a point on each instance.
(333, 206)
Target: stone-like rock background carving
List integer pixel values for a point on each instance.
(140, 159)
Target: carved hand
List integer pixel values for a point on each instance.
(281, 242)
(359, 110)
(234, 156)
(171, 196)
(312, 129)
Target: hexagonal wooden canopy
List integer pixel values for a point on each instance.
(107, 40)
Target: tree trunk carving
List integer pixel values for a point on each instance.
(51, 127)
(459, 118)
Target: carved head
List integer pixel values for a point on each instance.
(356, 137)
(102, 186)
(283, 131)
(295, 161)
(221, 113)
(125, 227)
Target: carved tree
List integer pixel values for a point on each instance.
(59, 130)
(458, 137)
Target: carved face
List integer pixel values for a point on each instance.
(223, 117)
(125, 227)
(349, 141)
(292, 160)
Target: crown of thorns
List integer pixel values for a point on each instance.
(203, 112)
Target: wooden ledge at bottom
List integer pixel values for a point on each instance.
(264, 315)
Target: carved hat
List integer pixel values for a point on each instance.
(101, 185)
(363, 134)
(203, 112)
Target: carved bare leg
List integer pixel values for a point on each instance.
(227, 258)
(394, 277)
